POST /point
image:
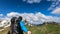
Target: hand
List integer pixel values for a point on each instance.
(29, 32)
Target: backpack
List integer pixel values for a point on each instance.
(15, 27)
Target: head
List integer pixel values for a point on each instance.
(13, 20)
(19, 19)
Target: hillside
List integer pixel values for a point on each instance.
(43, 29)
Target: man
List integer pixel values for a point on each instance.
(18, 26)
(13, 19)
(21, 23)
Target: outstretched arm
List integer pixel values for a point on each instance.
(24, 28)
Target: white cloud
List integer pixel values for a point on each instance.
(1, 14)
(12, 14)
(53, 0)
(1, 17)
(32, 1)
(56, 11)
(55, 3)
(37, 18)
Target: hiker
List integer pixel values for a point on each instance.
(22, 26)
(18, 26)
(13, 19)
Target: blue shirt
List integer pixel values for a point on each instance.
(23, 27)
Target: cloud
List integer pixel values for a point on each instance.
(53, 0)
(37, 18)
(13, 14)
(32, 1)
(1, 15)
(55, 3)
(56, 11)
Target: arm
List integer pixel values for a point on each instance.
(23, 27)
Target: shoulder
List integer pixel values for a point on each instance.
(21, 22)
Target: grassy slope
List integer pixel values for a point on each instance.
(5, 31)
(44, 29)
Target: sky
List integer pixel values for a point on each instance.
(21, 6)
(44, 8)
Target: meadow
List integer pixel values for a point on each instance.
(43, 29)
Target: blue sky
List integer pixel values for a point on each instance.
(35, 11)
(7, 6)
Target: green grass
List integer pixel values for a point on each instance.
(44, 29)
